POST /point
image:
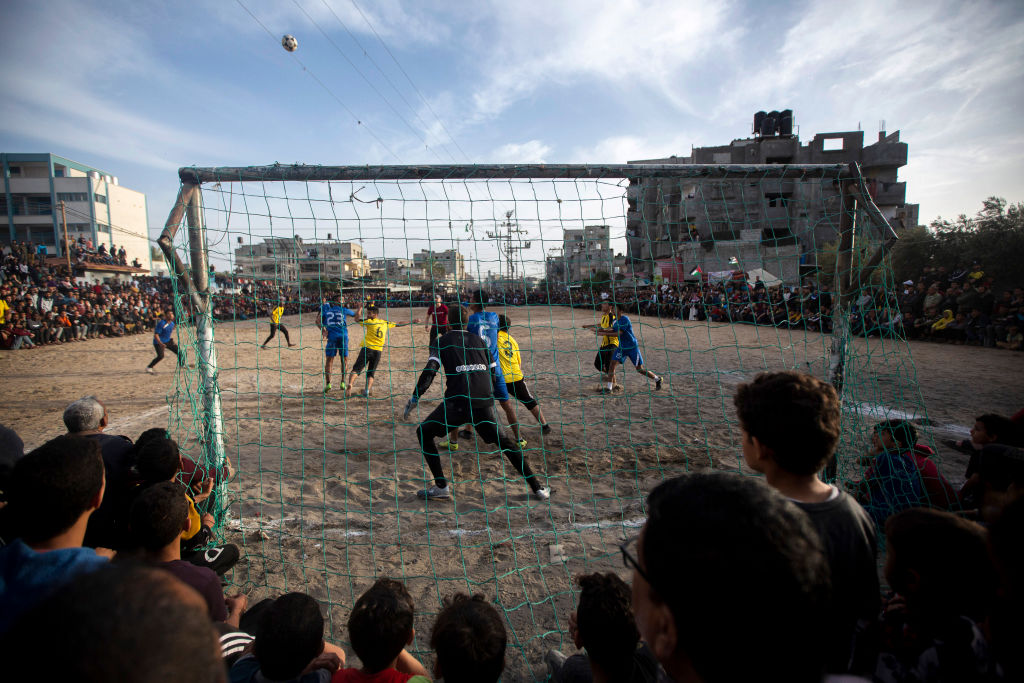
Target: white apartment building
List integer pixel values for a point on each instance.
(97, 206)
(290, 260)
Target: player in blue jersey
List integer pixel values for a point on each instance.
(628, 348)
(163, 339)
(333, 326)
(484, 324)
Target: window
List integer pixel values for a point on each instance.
(38, 205)
(73, 197)
(100, 198)
(14, 170)
(58, 171)
(102, 228)
(832, 144)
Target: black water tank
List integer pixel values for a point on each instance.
(786, 122)
(775, 117)
(758, 120)
(768, 126)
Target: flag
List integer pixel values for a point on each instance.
(696, 271)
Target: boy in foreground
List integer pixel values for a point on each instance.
(379, 628)
(790, 428)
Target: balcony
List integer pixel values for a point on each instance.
(890, 194)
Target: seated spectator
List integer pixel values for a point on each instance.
(939, 567)
(379, 628)
(989, 428)
(995, 475)
(12, 449)
(1014, 339)
(726, 562)
(159, 516)
(789, 423)
(469, 639)
(160, 461)
(902, 474)
(87, 417)
(124, 623)
(603, 624)
(289, 645)
(53, 491)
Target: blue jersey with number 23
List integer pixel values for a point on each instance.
(332, 317)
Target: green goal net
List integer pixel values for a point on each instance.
(725, 271)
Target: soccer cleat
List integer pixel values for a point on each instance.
(327, 388)
(543, 494)
(450, 445)
(344, 387)
(605, 390)
(151, 371)
(657, 384)
(521, 443)
(365, 394)
(410, 404)
(545, 429)
(435, 493)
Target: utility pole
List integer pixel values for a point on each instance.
(67, 244)
(505, 232)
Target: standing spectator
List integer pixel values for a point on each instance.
(87, 417)
(789, 424)
(761, 575)
(437, 317)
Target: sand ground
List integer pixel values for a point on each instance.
(324, 500)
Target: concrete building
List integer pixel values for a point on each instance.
(97, 206)
(707, 223)
(586, 252)
(451, 260)
(290, 260)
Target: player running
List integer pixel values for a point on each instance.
(628, 348)
(470, 375)
(275, 325)
(609, 345)
(375, 334)
(333, 326)
(162, 334)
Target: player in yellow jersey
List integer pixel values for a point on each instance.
(512, 369)
(609, 345)
(375, 334)
(275, 325)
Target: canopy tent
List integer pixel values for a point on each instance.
(767, 278)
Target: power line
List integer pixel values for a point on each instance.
(323, 85)
(368, 81)
(127, 231)
(384, 75)
(422, 98)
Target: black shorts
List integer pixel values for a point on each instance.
(603, 359)
(368, 358)
(522, 394)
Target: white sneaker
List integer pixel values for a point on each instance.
(543, 494)
(150, 371)
(435, 493)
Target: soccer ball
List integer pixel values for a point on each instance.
(289, 43)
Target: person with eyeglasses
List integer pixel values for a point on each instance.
(730, 582)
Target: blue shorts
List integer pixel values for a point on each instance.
(500, 388)
(336, 344)
(633, 355)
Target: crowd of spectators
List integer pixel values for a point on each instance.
(733, 577)
(42, 304)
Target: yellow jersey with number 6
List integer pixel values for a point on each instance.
(375, 333)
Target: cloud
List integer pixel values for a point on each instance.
(616, 43)
(618, 149)
(529, 152)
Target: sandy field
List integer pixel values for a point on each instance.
(324, 500)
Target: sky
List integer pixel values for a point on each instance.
(140, 88)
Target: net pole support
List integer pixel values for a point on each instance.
(166, 242)
(843, 294)
(206, 361)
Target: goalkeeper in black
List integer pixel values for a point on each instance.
(469, 372)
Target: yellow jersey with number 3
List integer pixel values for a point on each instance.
(508, 354)
(375, 333)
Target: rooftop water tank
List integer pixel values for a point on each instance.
(786, 122)
(768, 126)
(758, 120)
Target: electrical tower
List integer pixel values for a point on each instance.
(503, 238)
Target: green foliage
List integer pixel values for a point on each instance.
(601, 280)
(994, 237)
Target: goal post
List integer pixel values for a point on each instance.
(726, 270)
